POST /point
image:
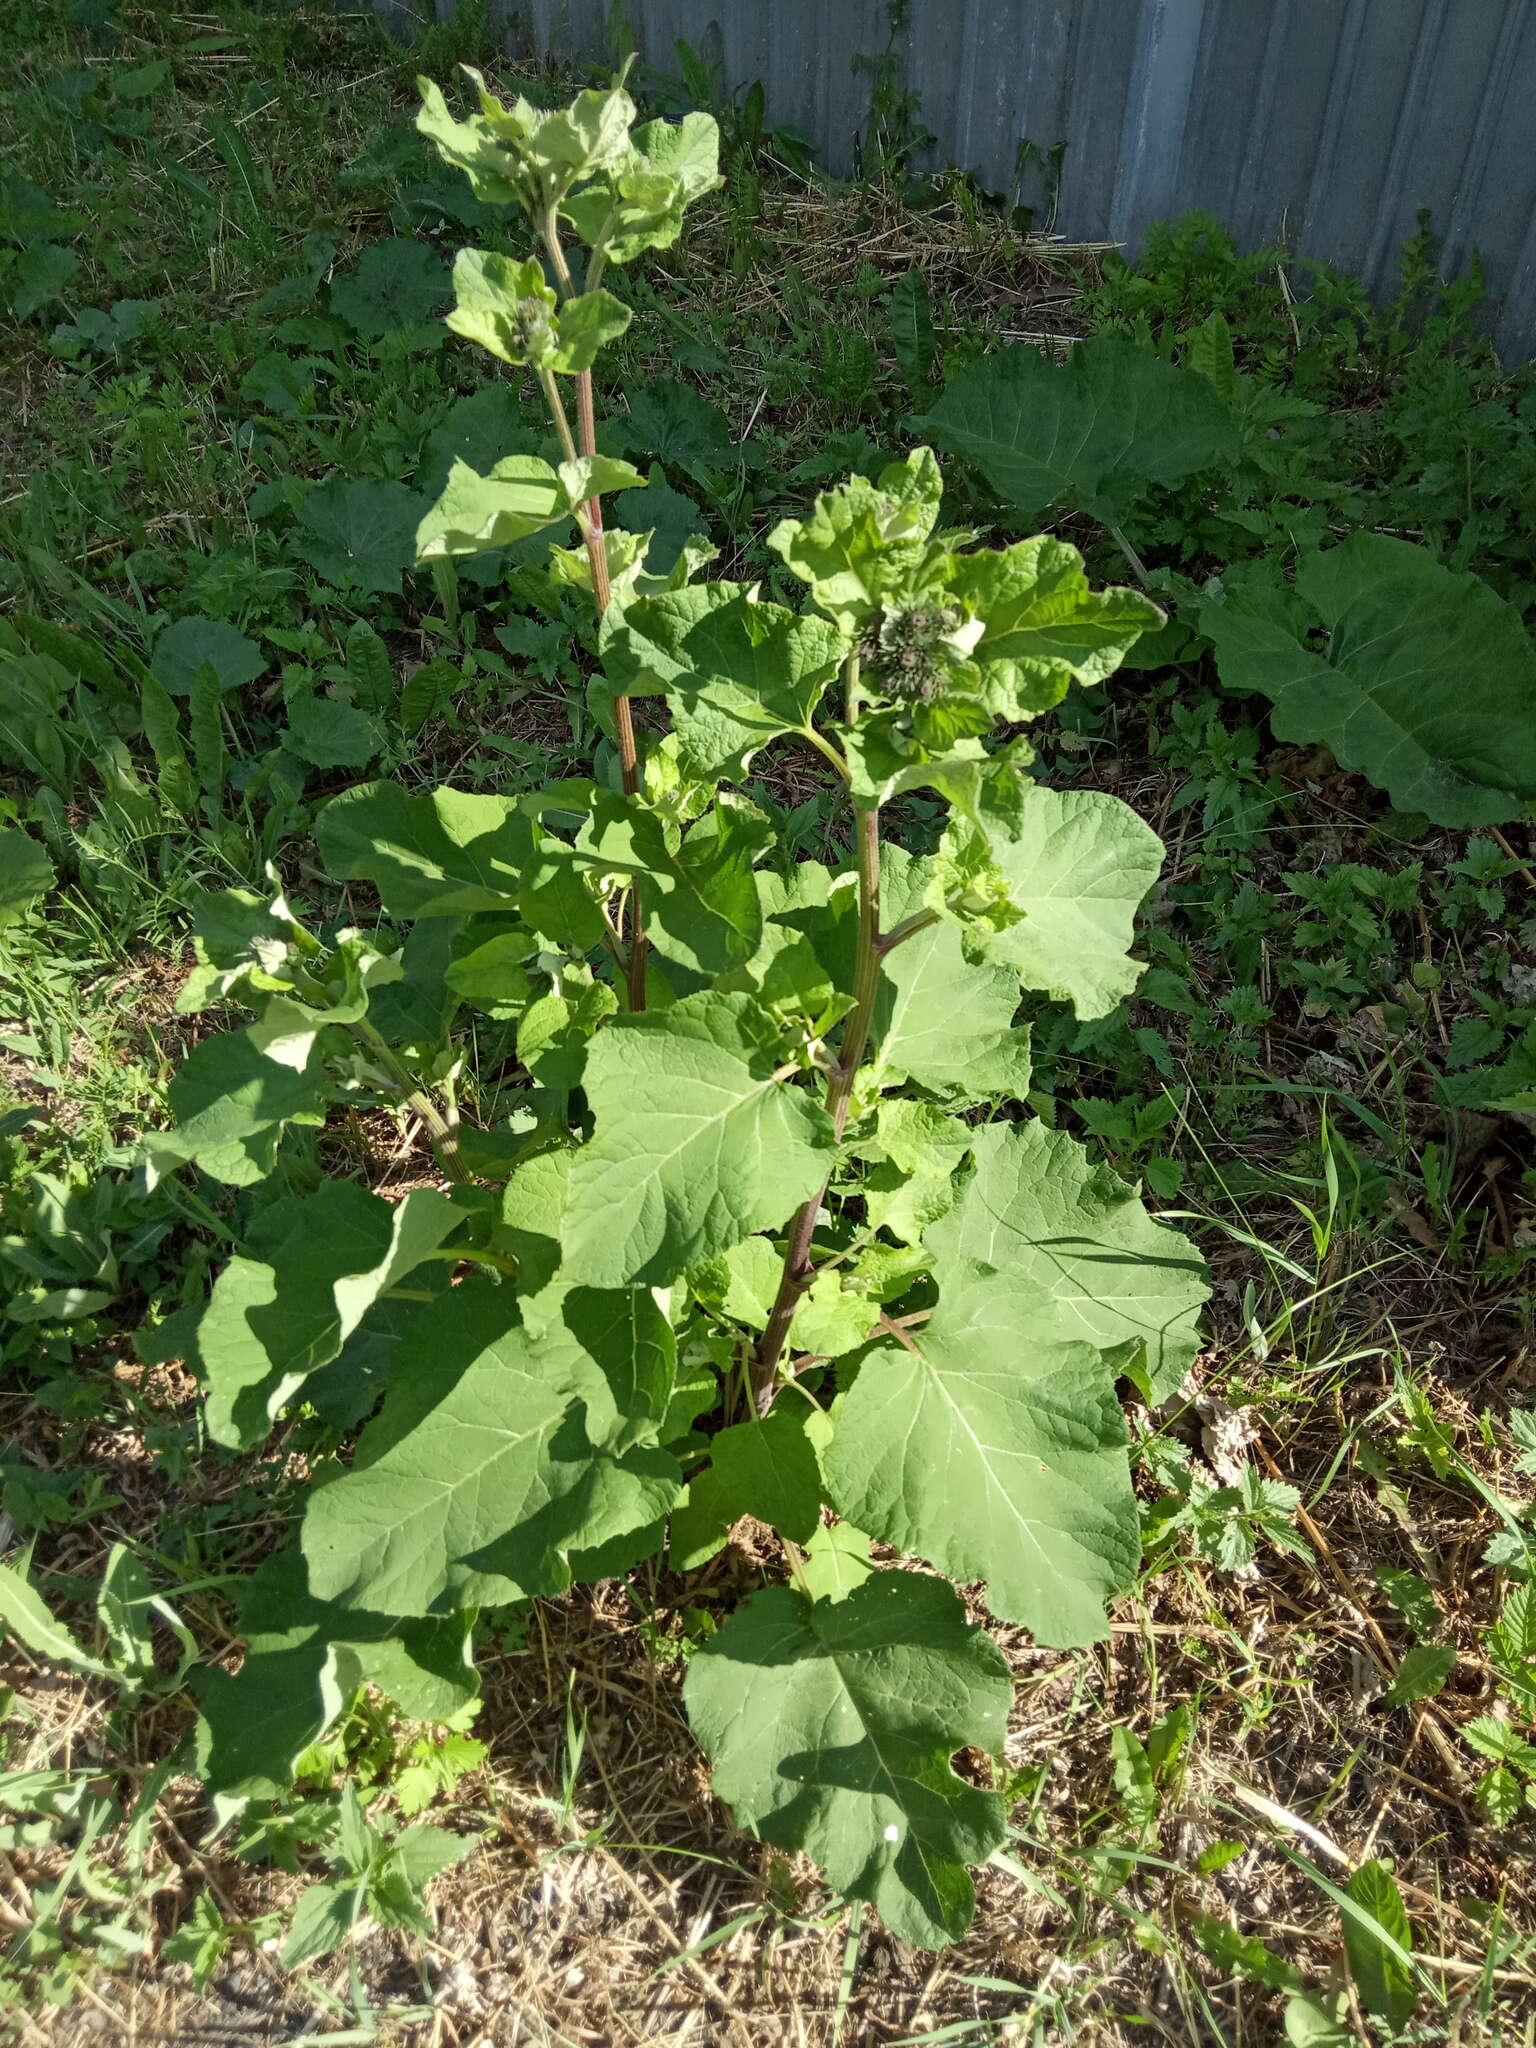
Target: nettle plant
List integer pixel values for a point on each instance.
(767, 1232)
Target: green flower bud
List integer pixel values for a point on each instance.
(914, 651)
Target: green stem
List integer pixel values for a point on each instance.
(556, 406)
(475, 1255)
(443, 1130)
(909, 928)
(798, 1271)
(1137, 566)
(824, 746)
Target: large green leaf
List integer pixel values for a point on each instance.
(640, 203)
(41, 273)
(1077, 865)
(809, 938)
(360, 536)
(1083, 1260)
(768, 1469)
(1043, 627)
(507, 307)
(941, 1019)
(475, 513)
(186, 644)
(498, 1451)
(687, 151)
(674, 522)
(1425, 683)
(521, 152)
(947, 1023)
(831, 1725)
(471, 146)
(274, 1319)
(26, 872)
(994, 1452)
(1095, 431)
(304, 1660)
(920, 1148)
(617, 1348)
(230, 1102)
(330, 734)
(735, 672)
(868, 545)
(395, 283)
(571, 142)
(479, 430)
(583, 326)
(442, 854)
(532, 1204)
(676, 423)
(33, 691)
(701, 901)
(836, 1561)
(701, 1140)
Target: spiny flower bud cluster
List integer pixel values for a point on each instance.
(907, 654)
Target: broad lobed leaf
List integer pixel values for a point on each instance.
(997, 1455)
(437, 855)
(831, 1724)
(1095, 431)
(701, 1139)
(736, 672)
(766, 1468)
(1075, 865)
(274, 1319)
(701, 893)
(304, 1660)
(497, 1452)
(1076, 1251)
(1426, 684)
(475, 513)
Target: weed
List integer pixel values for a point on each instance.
(225, 254)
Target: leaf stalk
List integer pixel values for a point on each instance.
(443, 1130)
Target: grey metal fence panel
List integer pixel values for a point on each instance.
(1326, 123)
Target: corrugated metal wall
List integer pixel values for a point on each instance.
(1327, 123)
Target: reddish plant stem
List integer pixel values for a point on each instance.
(602, 588)
(602, 594)
(798, 1271)
(623, 723)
